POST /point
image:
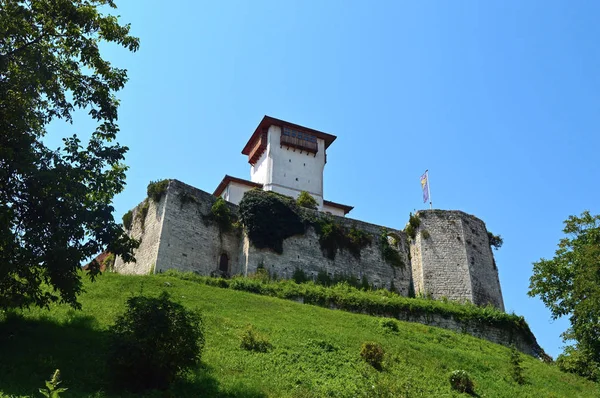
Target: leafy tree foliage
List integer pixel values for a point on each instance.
(569, 284)
(55, 204)
(155, 340)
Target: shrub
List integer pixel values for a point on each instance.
(155, 340)
(389, 325)
(254, 341)
(413, 224)
(109, 262)
(52, 389)
(221, 215)
(300, 276)
(425, 234)
(306, 200)
(372, 353)
(128, 220)
(156, 189)
(516, 369)
(578, 361)
(357, 240)
(270, 218)
(496, 241)
(331, 237)
(461, 381)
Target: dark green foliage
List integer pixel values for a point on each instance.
(413, 225)
(425, 234)
(270, 218)
(372, 353)
(323, 278)
(461, 381)
(516, 367)
(495, 240)
(157, 189)
(109, 262)
(142, 213)
(154, 341)
(128, 220)
(388, 253)
(580, 362)
(300, 276)
(411, 289)
(333, 237)
(56, 207)
(389, 325)
(569, 284)
(251, 340)
(356, 241)
(221, 214)
(306, 200)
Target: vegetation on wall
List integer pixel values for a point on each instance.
(495, 240)
(269, 218)
(128, 220)
(334, 237)
(389, 253)
(156, 189)
(413, 225)
(222, 215)
(142, 213)
(306, 200)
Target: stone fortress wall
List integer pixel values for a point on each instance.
(450, 256)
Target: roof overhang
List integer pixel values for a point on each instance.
(345, 208)
(269, 121)
(229, 179)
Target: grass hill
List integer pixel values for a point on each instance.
(315, 350)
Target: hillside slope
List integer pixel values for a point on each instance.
(315, 354)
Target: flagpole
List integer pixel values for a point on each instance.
(429, 190)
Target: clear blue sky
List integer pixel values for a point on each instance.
(499, 100)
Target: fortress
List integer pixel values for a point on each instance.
(445, 253)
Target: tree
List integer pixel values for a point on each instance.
(55, 204)
(569, 285)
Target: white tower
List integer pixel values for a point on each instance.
(288, 158)
(285, 158)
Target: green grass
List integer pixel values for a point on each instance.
(315, 351)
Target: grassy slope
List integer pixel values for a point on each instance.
(316, 350)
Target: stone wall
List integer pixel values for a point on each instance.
(148, 231)
(451, 257)
(190, 240)
(304, 252)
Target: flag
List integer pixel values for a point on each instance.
(425, 187)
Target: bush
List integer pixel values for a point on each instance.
(306, 200)
(580, 362)
(516, 369)
(156, 189)
(254, 341)
(496, 241)
(155, 340)
(389, 325)
(128, 220)
(388, 253)
(413, 225)
(300, 276)
(373, 354)
(461, 381)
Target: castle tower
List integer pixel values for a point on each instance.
(452, 258)
(286, 158)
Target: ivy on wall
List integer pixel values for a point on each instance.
(156, 189)
(269, 218)
(413, 224)
(389, 253)
(334, 237)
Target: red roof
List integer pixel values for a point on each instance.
(268, 121)
(227, 179)
(345, 208)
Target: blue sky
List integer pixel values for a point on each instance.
(498, 99)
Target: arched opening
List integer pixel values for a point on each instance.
(224, 263)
